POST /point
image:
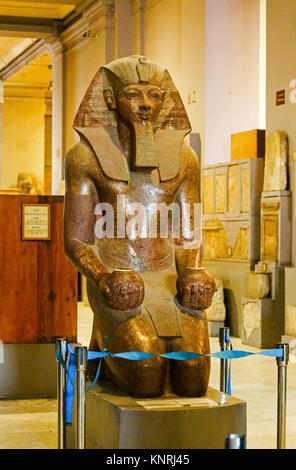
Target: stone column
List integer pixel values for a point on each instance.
(48, 144)
(123, 28)
(1, 102)
(138, 16)
(56, 49)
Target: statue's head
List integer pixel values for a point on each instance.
(132, 88)
(136, 102)
(138, 92)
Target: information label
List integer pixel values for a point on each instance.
(35, 221)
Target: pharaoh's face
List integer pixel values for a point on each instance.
(139, 103)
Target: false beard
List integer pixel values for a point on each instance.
(144, 150)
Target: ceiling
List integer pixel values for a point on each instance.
(12, 12)
(11, 47)
(53, 9)
(37, 73)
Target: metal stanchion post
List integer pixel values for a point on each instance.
(235, 441)
(223, 362)
(61, 393)
(80, 362)
(282, 363)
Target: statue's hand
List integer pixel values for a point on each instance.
(195, 289)
(123, 290)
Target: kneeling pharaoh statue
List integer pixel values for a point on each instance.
(147, 290)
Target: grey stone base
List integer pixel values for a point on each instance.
(234, 275)
(267, 334)
(214, 327)
(28, 371)
(116, 421)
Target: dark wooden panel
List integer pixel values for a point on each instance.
(18, 275)
(38, 285)
(57, 282)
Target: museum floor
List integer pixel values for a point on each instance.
(32, 424)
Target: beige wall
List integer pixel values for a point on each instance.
(232, 73)
(280, 71)
(174, 37)
(281, 66)
(171, 28)
(80, 65)
(22, 139)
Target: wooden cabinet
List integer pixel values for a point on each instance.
(38, 284)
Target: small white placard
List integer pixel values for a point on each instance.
(176, 403)
(36, 222)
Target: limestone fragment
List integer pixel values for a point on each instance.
(258, 285)
(217, 311)
(276, 160)
(251, 317)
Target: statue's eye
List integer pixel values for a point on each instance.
(155, 95)
(132, 95)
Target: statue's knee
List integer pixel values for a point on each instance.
(148, 380)
(190, 379)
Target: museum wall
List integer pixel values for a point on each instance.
(231, 73)
(80, 65)
(280, 72)
(170, 28)
(174, 37)
(22, 137)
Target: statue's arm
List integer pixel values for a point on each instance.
(81, 197)
(188, 193)
(195, 288)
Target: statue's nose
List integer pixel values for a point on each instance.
(145, 104)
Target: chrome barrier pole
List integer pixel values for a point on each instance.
(235, 441)
(61, 393)
(80, 362)
(282, 363)
(223, 362)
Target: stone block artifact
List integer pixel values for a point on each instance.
(145, 284)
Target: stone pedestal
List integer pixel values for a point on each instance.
(117, 421)
(276, 227)
(28, 371)
(259, 323)
(264, 319)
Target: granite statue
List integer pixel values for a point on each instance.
(147, 293)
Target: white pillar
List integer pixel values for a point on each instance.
(56, 49)
(123, 29)
(138, 17)
(262, 66)
(1, 104)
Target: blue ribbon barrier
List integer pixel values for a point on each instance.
(140, 356)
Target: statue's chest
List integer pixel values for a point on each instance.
(143, 188)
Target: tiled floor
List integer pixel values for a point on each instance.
(32, 424)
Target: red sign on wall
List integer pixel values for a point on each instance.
(280, 97)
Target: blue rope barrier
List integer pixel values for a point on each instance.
(140, 356)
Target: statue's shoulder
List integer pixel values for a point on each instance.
(189, 158)
(78, 152)
(79, 157)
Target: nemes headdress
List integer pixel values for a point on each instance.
(98, 125)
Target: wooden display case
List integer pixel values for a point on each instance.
(231, 210)
(38, 284)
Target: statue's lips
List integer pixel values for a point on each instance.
(144, 117)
